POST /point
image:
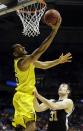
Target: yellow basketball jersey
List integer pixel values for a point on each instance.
(23, 98)
(25, 79)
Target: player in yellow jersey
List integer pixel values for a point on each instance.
(24, 70)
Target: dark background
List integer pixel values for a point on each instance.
(68, 39)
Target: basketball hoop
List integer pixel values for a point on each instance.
(31, 16)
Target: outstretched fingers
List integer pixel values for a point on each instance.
(68, 57)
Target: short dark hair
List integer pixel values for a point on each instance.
(68, 87)
(13, 49)
(14, 46)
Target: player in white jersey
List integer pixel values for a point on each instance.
(58, 110)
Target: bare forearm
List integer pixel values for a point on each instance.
(62, 59)
(39, 107)
(46, 101)
(46, 43)
(36, 105)
(49, 64)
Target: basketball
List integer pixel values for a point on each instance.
(51, 16)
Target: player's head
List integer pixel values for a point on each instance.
(18, 50)
(64, 89)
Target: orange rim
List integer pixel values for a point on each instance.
(24, 10)
(40, 1)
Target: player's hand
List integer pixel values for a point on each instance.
(59, 20)
(65, 58)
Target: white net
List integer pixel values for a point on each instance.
(30, 17)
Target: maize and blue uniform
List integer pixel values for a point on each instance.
(23, 98)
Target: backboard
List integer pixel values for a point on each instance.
(29, 12)
(7, 6)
